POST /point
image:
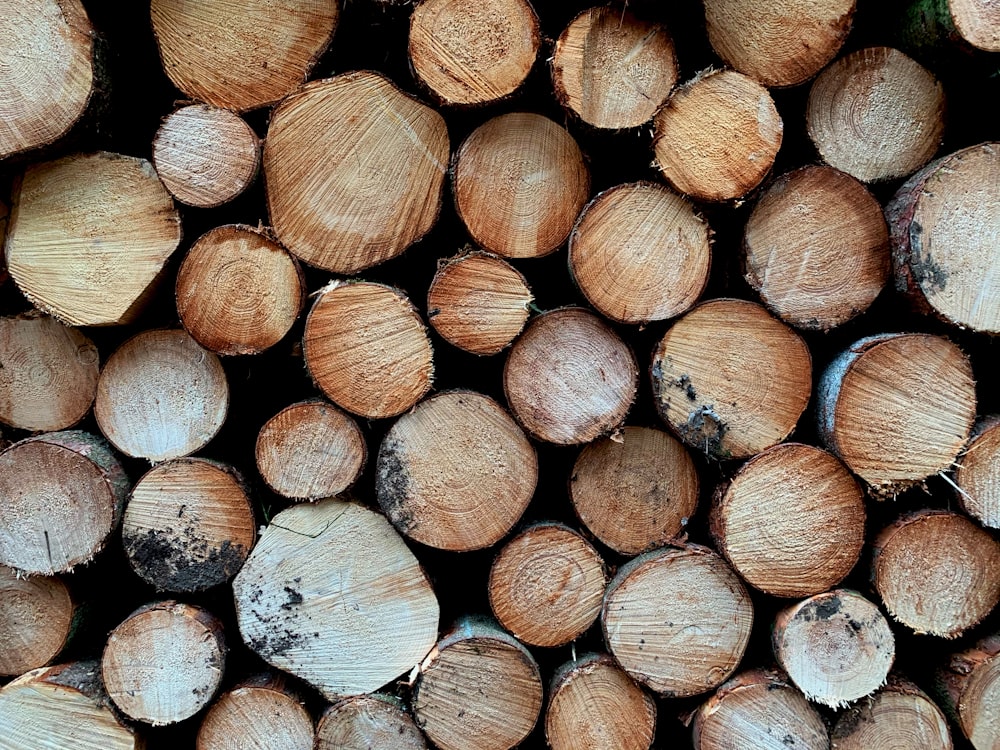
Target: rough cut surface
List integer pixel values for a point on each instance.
(970, 691)
(258, 715)
(978, 474)
(36, 619)
(900, 716)
(978, 21)
(368, 721)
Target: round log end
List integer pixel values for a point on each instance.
(899, 715)
(256, 716)
(36, 618)
(978, 475)
(368, 721)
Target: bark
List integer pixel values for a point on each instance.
(969, 688)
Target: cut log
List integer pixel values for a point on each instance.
(730, 380)
(473, 53)
(238, 291)
(456, 472)
(62, 707)
(613, 70)
(354, 170)
(367, 349)
(900, 716)
(161, 396)
(791, 521)
(759, 709)
(479, 689)
(205, 156)
(37, 616)
(897, 408)
(258, 714)
(368, 721)
(677, 620)
(569, 378)
(940, 222)
(594, 704)
(778, 43)
(478, 302)
(519, 182)
(332, 595)
(546, 585)
(836, 647)
(978, 22)
(640, 252)
(164, 663)
(188, 525)
(89, 236)
(978, 474)
(48, 373)
(816, 248)
(242, 60)
(63, 496)
(310, 450)
(876, 114)
(45, 93)
(717, 136)
(969, 685)
(936, 572)
(937, 29)
(635, 492)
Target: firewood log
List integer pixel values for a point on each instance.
(900, 716)
(260, 713)
(37, 618)
(978, 473)
(963, 24)
(969, 687)
(368, 721)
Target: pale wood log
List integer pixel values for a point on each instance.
(368, 721)
(940, 223)
(779, 43)
(64, 494)
(456, 472)
(354, 170)
(969, 687)
(613, 70)
(89, 236)
(936, 572)
(594, 704)
(546, 585)
(978, 22)
(876, 114)
(717, 136)
(238, 291)
(310, 450)
(836, 646)
(731, 380)
(479, 689)
(473, 53)
(332, 595)
(900, 716)
(48, 373)
(478, 302)
(759, 709)
(791, 521)
(570, 378)
(241, 55)
(636, 491)
(677, 620)
(978, 473)
(897, 408)
(164, 662)
(367, 349)
(640, 252)
(261, 713)
(161, 396)
(37, 617)
(519, 182)
(816, 248)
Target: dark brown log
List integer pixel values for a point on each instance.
(368, 721)
(900, 716)
(978, 474)
(260, 713)
(37, 617)
(969, 686)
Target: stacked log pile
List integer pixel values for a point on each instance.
(479, 375)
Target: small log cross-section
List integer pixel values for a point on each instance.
(456, 472)
(89, 235)
(978, 22)
(936, 572)
(368, 721)
(730, 380)
(612, 69)
(978, 474)
(677, 620)
(546, 585)
(367, 349)
(836, 646)
(354, 170)
(816, 248)
(37, 615)
(260, 713)
(332, 595)
(161, 396)
(479, 689)
(758, 709)
(473, 53)
(969, 685)
(899, 716)
(164, 663)
(570, 378)
(640, 252)
(594, 704)
(519, 182)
